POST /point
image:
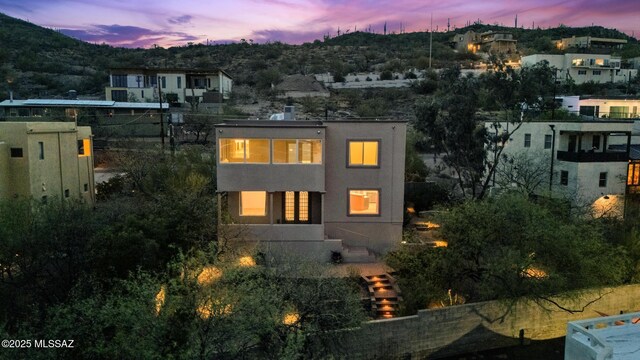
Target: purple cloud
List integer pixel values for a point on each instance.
(180, 20)
(126, 36)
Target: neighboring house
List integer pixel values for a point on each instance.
(595, 44)
(493, 42)
(590, 158)
(581, 68)
(179, 86)
(297, 86)
(608, 337)
(72, 109)
(307, 188)
(46, 160)
(613, 107)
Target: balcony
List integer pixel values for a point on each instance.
(617, 156)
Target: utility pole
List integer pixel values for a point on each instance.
(430, 39)
(161, 114)
(553, 150)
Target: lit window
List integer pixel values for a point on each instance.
(363, 153)
(253, 203)
(244, 151)
(633, 177)
(291, 151)
(364, 202)
(84, 147)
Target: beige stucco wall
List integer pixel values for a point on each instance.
(61, 171)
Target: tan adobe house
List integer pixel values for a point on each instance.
(46, 160)
(310, 188)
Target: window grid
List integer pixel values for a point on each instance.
(290, 206)
(303, 202)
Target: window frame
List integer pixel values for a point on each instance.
(602, 182)
(272, 148)
(527, 140)
(363, 140)
(266, 198)
(40, 150)
(16, 152)
(564, 177)
(550, 138)
(350, 189)
(244, 152)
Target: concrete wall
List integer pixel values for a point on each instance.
(388, 177)
(460, 329)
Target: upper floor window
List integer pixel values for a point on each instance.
(364, 152)
(527, 140)
(40, 150)
(597, 72)
(179, 82)
(119, 95)
(119, 80)
(582, 72)
(602, 181)
(547, 141)
(84, 147)
(297, 151)
(163, 81)
(244, 151)
(16, 152)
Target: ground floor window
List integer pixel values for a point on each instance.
(253, 203)
(364, 202)
(296, 207)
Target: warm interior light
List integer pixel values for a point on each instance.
(365, 202)
(253, 203)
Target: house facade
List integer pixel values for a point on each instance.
(595, 44)
(587, 160)
(46, 160)
(493, 42)
(581, 68)
(310, 188)
(178, 85)
(618, 107)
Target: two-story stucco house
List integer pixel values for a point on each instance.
(587, 159)
(178, 85)
(310, 188)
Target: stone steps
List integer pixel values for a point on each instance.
(384, 294)
(357, 254)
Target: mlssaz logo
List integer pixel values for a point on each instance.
(54, 343)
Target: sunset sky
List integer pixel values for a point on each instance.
(142, 23)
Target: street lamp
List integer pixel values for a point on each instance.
(553, 148)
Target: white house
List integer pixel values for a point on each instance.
(613, 107)
(587, 159)
(581, 68)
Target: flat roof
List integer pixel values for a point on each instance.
(173, 69)
(81, 103)
(299, 123)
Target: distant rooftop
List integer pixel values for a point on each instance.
(81, 103)
(611, 337)
(172, 70)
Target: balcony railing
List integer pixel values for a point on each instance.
(617, 156)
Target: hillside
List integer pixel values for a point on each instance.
(42, 62)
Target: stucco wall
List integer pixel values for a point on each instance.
(473, 327)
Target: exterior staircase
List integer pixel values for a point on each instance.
(357, 254)
(385, 295)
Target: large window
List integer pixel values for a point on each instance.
(297, 151)
(254, 151)
(363, 153)
(364, 202)
(253, 203)
(119, 80)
